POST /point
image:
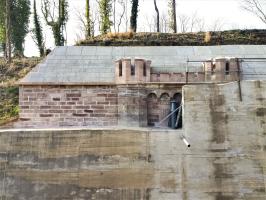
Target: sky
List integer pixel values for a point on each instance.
(222, 14)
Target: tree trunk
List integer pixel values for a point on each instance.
(174, 16)
(158, 16)
(8, 32)
(88, 20)
(134, 15)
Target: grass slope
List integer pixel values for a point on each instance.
(9, 92)
(181, 39)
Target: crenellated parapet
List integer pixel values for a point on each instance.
(221, 69)
(132, 71)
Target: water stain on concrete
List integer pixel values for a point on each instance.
(260, 112)
(218, 117)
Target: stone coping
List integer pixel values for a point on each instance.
(114, 84)
(115, 128)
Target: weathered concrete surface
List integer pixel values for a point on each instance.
(227, 160)
(228, 137)
(89, 164)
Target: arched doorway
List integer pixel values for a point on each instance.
(152, 109)
(164, 108)
(178, 99)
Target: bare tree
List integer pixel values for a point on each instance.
(121, 14)
(184, 23)
(217, 25)
(81, 18)
(164, 23)
(255, 7)
(157, 16)
(196, 23)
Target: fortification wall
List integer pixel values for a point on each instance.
(226, 161)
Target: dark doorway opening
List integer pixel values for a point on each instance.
(178, 99)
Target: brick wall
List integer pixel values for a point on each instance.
(53, 106)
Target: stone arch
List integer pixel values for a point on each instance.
(152, 109)
(164, 108)
(164, 97)
(177, 97)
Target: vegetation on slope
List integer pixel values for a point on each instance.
(9, 92)
(231, 37)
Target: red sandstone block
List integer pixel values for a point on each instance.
(24, 107)
(83, 107)
(52, 103)
(103, 103)
(90, 102)
(99, 111)
(24, 119)
(97, 115)
(73, 95)
(45, 107)
(101, 95)
(97, 107)
(80, 114)
(89, 119)
(56, 99)
(88, 111)
(42, 95)
(68, 111)
(75, 99)
(66, 107)
(46, 115)
(55, 111)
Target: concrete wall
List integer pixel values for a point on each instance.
(90, 164)
(227, 159)
(228, 137)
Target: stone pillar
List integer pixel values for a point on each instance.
(148, 70)
(233, 72)
(208, 65)
(219, 75)
(132, 109)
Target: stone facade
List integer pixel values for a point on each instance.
(137, 98)
(123, 105)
